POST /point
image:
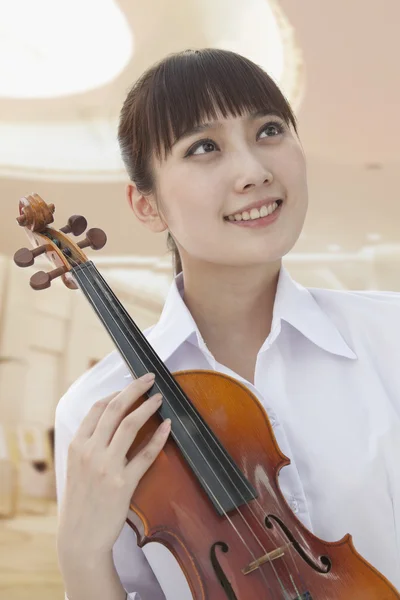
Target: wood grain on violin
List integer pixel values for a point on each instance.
(221, 512)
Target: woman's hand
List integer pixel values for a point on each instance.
(100, 481)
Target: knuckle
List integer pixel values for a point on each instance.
(118, 482)
(117, 404)
(149, 454)
(82, 455)
(86, 454)
(129, 424)
(100, 404)
(105, 472)
(102, 469)
(74, 447)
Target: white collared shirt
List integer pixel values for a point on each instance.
(328, 376)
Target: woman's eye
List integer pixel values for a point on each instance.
(272, 129)
(203, 147)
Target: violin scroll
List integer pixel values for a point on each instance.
(64, 254)
(35, 214)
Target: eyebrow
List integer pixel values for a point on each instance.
(218, 125)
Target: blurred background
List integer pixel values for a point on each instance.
(65, 68)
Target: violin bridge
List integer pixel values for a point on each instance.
(269, 557)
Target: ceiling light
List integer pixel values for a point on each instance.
(50, 49)
(265, 45)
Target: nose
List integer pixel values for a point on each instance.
(251, 173)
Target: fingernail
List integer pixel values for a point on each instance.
(148, 377)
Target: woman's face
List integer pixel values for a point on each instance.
(217, 172)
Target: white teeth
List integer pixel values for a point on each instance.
(254, 213)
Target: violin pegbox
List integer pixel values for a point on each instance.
(35, 216)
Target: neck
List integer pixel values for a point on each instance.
(232, 308)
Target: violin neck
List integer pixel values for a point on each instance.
(220, 477)
(126, 335)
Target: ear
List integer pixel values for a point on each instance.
(145, 208)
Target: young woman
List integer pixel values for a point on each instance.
(213, 156)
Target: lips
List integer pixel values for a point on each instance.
(250, 221)
(257, 205)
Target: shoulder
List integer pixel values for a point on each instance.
(363, 317)
(348, 301)
(108, 376)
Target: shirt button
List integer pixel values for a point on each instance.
(294, 506)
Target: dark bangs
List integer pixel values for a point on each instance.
(188, 88)
(192, 87)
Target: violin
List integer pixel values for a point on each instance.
(221, 512)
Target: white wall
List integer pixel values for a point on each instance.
(47, 339)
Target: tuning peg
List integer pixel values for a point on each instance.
(42, 280)
(95, 238)
(76, 225)
(24, 257)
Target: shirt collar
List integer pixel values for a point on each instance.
(175, 325)
(293, 304)
(297, 306)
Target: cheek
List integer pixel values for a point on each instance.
(293, 173)
(189, 198)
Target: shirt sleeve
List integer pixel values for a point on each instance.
(134, 571)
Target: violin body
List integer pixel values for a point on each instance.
(174, 510)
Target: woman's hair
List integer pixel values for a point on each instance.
(180, 92)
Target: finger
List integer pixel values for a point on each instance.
(143, 460)
(118, 408)
(91, 419)
(130, 425)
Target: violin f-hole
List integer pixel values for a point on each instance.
(326, 564)
(222, 578)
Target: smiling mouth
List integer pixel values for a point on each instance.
(255, 213)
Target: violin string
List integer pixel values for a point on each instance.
(196, 425)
